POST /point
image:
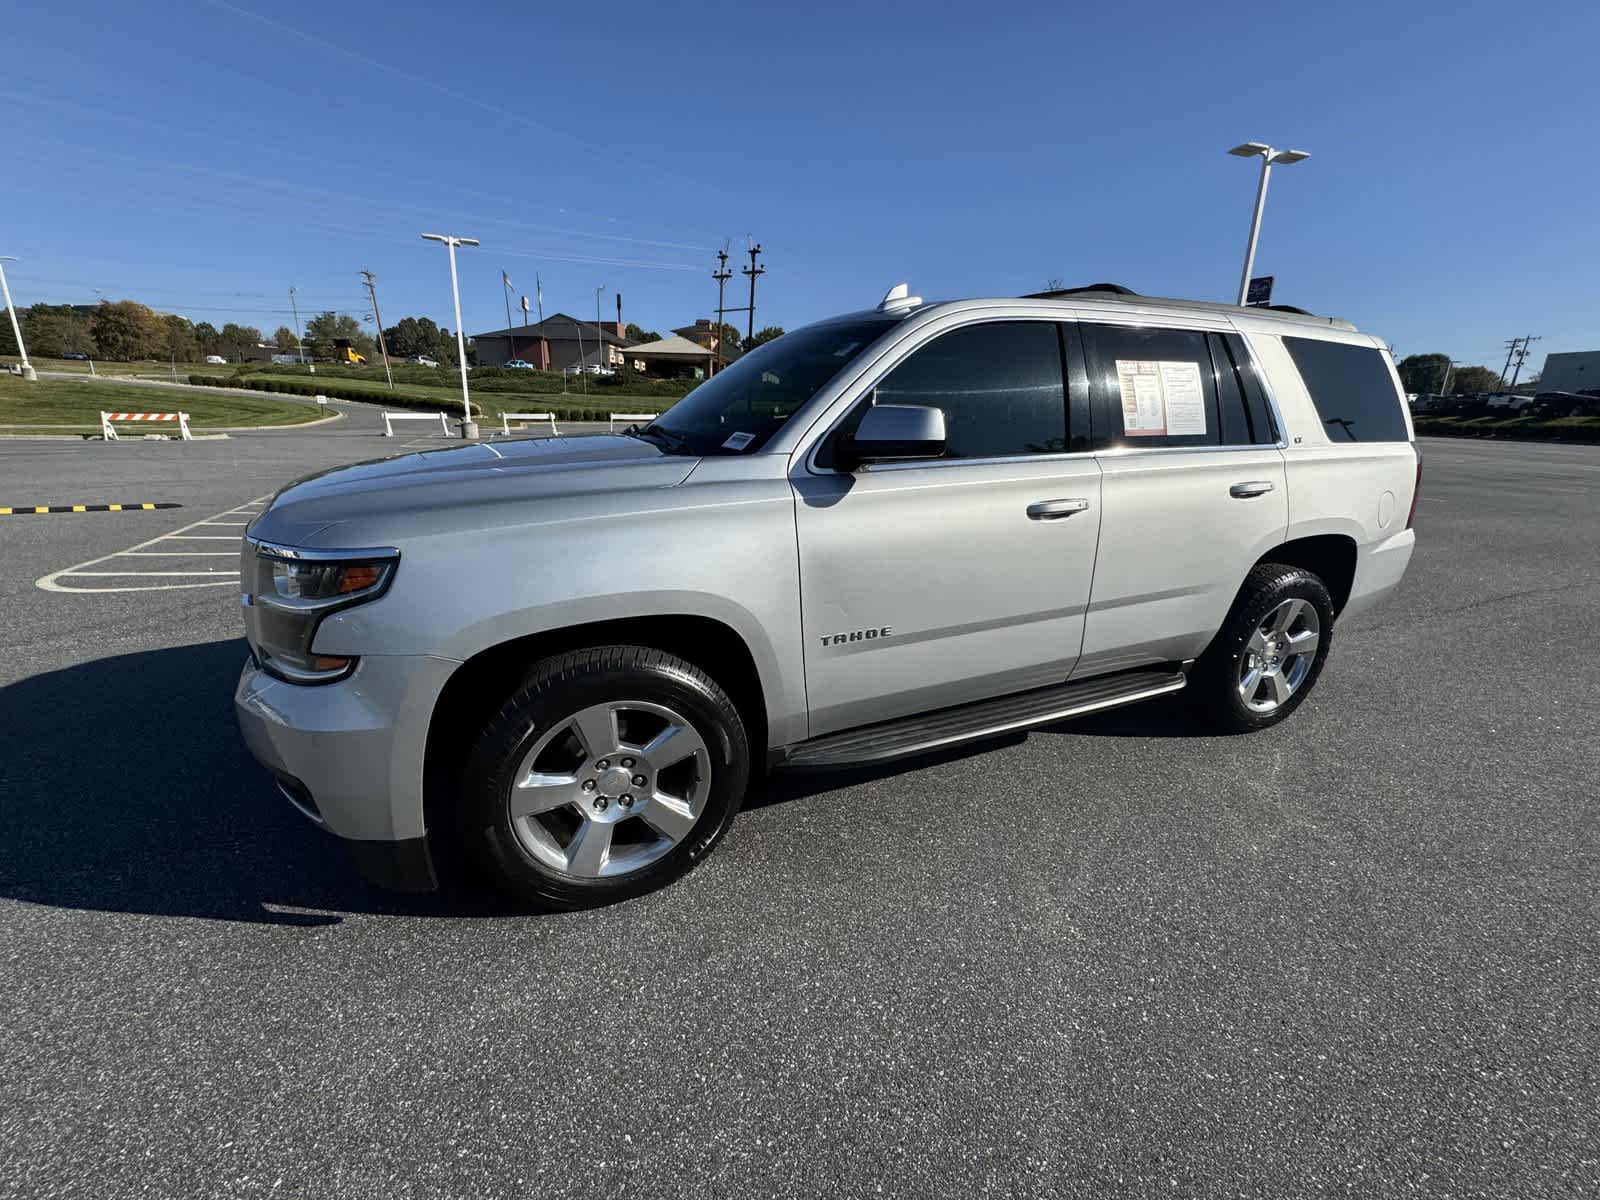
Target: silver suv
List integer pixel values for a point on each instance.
(566, 659)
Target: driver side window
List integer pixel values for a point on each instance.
(1000, 386)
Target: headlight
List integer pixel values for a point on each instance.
(288, 593)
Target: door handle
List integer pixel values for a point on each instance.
(1253, 487)
(1054, 510)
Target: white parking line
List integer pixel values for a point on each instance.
(200, 576)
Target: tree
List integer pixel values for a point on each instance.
(50, 330)
(324, 329)
(127, 330)
(729, 339)
(1469, 380)
(762, 336)
(635, 334)
(411, 336)
(236, 339)
(1422, 373)
(283, 338)
(182, 345)
(206, 334)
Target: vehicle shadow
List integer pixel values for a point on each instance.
(126, 787)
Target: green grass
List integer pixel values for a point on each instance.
(65, 405)
(1570, 429)
(486, 405)
(149, 369)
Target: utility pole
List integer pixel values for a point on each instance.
(1449, 365)
(27, 368)
(1522, 356)
(378, 319)
(298, 340)
(600, 351)
(1511, 350)
(721, 275)
(752, 270)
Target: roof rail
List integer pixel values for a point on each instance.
(1115, 289)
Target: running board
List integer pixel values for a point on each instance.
(969, 722)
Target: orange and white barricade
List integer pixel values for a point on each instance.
(108, 419)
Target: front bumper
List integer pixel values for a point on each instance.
(350, 755)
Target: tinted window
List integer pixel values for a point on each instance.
(1233, 418)
(1262, 427)
(1155, 387)
(1000, 386)
(1352, 389)
(738, 409)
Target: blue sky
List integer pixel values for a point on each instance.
(204, 155)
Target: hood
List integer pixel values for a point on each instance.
(436, 489)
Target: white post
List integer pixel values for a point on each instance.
(27, 367)
(183, 427)
(106, 432)
(1255, 228)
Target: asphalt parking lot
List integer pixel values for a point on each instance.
(1355, 954)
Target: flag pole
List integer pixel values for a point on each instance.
(544, 345)
(505, 294)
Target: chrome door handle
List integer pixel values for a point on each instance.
(1254, 487)
(1054, 510)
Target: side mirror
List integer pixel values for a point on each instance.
(890, 432)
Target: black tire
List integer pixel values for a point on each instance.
(1214, 682)
(552, 691)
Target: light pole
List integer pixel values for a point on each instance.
(599, 334)
(1269, 156)
(1450, 364)
(469, 428)
(27, 368)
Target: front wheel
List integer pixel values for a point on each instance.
(1268, 654)
(609, 773)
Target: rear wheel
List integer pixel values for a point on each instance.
(1269, 652)
(609, 773)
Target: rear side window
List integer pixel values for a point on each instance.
(1158, 387)
(1000, 386)
(1352, 389)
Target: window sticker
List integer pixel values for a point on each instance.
(1161, 398)
(738, 441)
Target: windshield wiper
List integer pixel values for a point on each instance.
(672, 443)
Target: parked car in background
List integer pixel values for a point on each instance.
(76, 356)
(518, 364)
(881, 535)
(422, 360)
(216, 360)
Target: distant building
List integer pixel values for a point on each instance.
(1578, 371)
(558, 343)
(670, 358)
(704, 333)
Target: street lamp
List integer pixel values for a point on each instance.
(27, 368)
(469, 428)
(601, 357)
(1269, 156)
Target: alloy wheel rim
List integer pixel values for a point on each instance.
(610, 789)
(1278, 655)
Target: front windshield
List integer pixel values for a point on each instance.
(738, 409)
